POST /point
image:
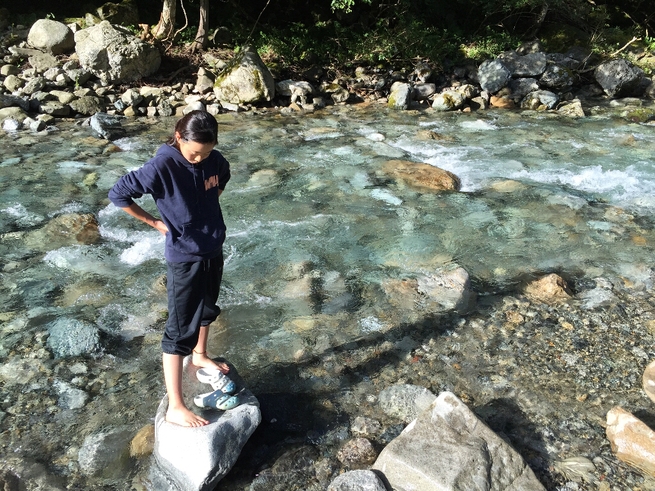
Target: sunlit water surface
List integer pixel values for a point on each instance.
(315, 226)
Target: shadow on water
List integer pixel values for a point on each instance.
(300, 419)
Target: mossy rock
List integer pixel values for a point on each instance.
(640, 115)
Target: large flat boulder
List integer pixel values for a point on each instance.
(195, 459)
(424, 176)
(448, 448)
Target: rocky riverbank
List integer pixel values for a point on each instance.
(551, 367)
(53, 71)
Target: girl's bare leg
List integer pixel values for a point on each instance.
(177, 412)
(200, 358)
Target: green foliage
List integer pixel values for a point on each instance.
(488, 45)
(345, 5)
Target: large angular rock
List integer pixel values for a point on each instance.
(51, 36)
(619, 78)
(114, 55)
(632, 440)
(215, 447)
(493, 75)
(448, 448)
(247, 81)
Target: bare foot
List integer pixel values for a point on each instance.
(183, 417)
(203, 361)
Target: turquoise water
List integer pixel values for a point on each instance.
(316, 228)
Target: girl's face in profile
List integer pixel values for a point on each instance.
(194, 152)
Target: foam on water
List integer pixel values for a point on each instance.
(149, 247)
(21, 215)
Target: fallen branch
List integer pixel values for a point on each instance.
(634, 38)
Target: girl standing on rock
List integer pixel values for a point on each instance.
(185, 178)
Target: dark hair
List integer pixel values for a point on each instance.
(197, 126)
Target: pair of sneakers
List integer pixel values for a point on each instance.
(221, 398)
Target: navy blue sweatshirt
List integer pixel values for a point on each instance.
(186, 196)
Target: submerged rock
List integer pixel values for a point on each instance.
(405, 401)
(106, 454)
(448, 447)
(649, 381)
(550, 289)
(424, 176)
(71, 337)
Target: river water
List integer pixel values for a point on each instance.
(315, 229)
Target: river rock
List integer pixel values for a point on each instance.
(359, 480)
(87, 105)
(493, 75)
(449, 100)
(421, 92)
(216, 446)
(405, 401)
(572, 109)
(529, 65)
(14, 101)
(13, 83)
(72, 337)
(448, 447)
(107, 126)
(143, 442)
(557, 77)
(649, 381)
(297, 465)
(520, 87)
(400, 95)
(106, 454)
(446, 289)
(424, 176)
(15, 113)
(619, 77)
(204, 81)
(55, 108)
(70, 397)
(65, 230)
(34, 85)
(540, 99)
(550, 289)
(51, 36)
(19, 473)
(114, 55)
(248, 81)
(42, 62)
(632, 440)
(357, 453)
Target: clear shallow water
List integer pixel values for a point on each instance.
(315, 227)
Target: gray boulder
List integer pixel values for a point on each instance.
(13, 83)
(448, 288)
(114, 55)
(51, 36)
(14, 101)
(216, 446)
(493, 75)
(520, 87)
(420, 92)
(246, 81)
(619, 78)
(530, 65)
(400, 95)
(448, 448)
(357, 481)
(557, 77)
(107, 126)
(540, 99)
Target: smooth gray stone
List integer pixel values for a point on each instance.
(196, 459)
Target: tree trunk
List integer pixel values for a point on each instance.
(201, 40)
(165, 27)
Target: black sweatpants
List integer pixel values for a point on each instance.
(192, 294)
